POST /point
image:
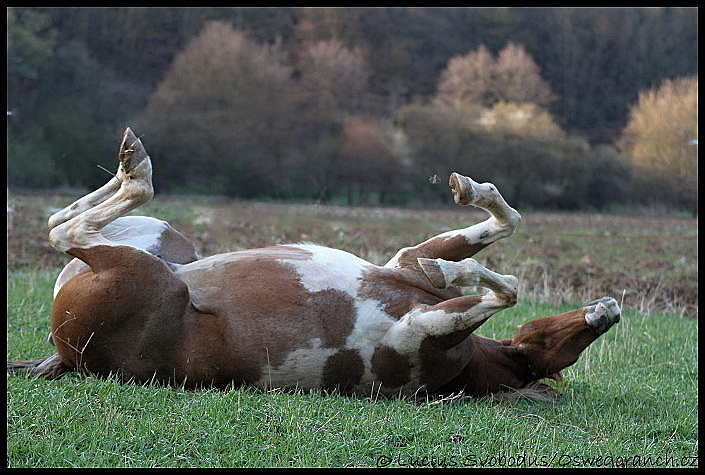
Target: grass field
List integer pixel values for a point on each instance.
(630, 400)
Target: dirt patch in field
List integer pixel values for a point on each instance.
(559, 257)
(651, 261)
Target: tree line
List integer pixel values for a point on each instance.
(360, 105)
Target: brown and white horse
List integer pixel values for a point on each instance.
(139, 303)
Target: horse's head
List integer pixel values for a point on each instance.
(550, 344)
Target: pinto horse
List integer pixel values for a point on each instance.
(138, 302)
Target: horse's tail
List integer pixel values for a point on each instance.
(48, 368)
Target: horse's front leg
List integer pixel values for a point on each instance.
(463, 243)
(465, 313)
(433, 337)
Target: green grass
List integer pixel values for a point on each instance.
(633, 394)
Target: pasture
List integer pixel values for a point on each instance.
(630, 400)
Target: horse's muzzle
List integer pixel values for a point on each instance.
(602, 314)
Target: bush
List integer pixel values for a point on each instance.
(659, 138)
(533, 170)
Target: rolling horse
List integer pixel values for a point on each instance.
(139, 303)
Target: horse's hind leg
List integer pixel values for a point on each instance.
(135, 188)
(98, 196)
(463, 243)
(85, 203)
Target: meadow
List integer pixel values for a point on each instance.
(630, 400)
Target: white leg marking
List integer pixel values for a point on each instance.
(503, 219)
(469, 272)
(83, 231)
(85, 203)
(502, 222)
(407, 334)
(440, 322)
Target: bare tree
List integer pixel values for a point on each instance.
(368, 160)
(518, 78)
(223, 112)
(334, 78)
(477, 78)
(467, 79)
(332, 87)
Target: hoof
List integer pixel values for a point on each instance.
(602, 314)
(461, 187)
(433, 271)
(132, 152)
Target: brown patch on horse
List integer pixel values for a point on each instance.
(442, 358)
(343, 370)
(266, 312)
(459, 304)
(491, 367)
(401, 290)
(390, 367)
(450, 248)
(124, 315)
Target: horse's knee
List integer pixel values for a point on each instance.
(505, 224)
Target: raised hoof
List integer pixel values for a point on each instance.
(132, 152)
(461, 187)
(602, 314)
(433, 271)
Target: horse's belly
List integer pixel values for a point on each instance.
(290, 316)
